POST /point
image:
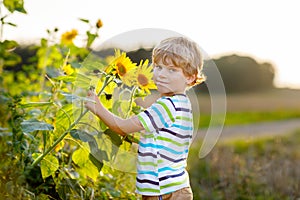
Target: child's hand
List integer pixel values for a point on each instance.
(93, 105)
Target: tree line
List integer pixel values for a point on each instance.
(239, 73)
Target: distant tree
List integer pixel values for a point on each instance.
(242, 74)
(239, 73)
(140, 54)
(27, 54)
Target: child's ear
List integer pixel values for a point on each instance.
(190, 79)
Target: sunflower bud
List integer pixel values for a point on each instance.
(99, 23)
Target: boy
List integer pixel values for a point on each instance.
(168, 123)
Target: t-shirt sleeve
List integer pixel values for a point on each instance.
(160, 115)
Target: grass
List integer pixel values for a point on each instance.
(237, 118)
(265, 168)
(246, 108)
(260, 168)
(277, 99)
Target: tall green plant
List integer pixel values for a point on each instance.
(57, 148)
(70, 151)
(117, 82)
(7, 56)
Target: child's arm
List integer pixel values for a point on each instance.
(147, 101)
(115, 123)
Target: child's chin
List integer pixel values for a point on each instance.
(166, 93)
(163, 91)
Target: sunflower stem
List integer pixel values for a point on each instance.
(58, 140)
(130, 107)
(131, 101)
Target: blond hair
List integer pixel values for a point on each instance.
(182, 53)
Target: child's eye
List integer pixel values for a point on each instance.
(158, 67)
(172, 70)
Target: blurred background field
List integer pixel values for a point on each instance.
(260, 165)
(270, 100)
(245, 108)
(263, 168)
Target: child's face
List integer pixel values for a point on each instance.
(169, 79)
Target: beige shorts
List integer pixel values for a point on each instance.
(182, 194)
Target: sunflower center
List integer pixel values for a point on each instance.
(142, 79)
(121, 69)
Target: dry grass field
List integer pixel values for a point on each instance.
(263, 169)
(273, 100)
(256, 167)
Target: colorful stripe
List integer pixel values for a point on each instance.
(163, 152)
(148, 190)
(162, 147)
(171, 176)
(173, 184)
(183, 127)
(172, 141)
(175, 134)
(147, 181)
(188, 119)
(167, 110)
(161, 117)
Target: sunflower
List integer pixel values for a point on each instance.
(68, 37)
(144, 77)
(68, 69)
(99, 23)
(122, 67)
(106, 100)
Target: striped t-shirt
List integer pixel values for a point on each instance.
(163, 149)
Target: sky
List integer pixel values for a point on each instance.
(266, 30)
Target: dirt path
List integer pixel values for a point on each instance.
(256, 130)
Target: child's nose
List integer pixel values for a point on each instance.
(163, 73)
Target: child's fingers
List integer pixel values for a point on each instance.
(90, 93)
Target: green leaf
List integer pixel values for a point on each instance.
(11, 59)
(121, 107)
(82, 81)
(10, 44)
(96, 161)
(35, 104)
(44, 42)
(116, 107)
(100, 155)
(93, 62)
(80, 157)
(65, 116)
(11, 24)
(115, 138)
(35, 125)
(96, 155)
(49, 164)
(85, 137)
(75, 64)
(4, 132)
(91, 38)
(86, 168)
(66, 79)
(84, 20)
(15, 5)
(81, 135)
